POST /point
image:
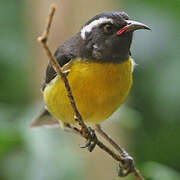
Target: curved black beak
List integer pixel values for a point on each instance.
(134, 25)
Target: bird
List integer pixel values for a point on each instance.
(99, 67)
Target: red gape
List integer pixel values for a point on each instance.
(122, 30)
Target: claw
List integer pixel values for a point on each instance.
(89, 145)
(91, 140)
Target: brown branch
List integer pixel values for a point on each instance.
(109, 139)
(43, 40)
(137, 174)
(99, 143)
(87, 133)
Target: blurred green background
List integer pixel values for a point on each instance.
(148, 125)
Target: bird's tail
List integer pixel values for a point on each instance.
(44, 118)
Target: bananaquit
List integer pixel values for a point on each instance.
(99, 67)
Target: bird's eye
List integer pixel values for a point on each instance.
(108, 28)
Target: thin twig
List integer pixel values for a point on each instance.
(43, 39)
(84, 132)
(109, 139)
(99, 143)
(137, 174)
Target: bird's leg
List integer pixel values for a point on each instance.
(128, 163)
(91, 140)
(90, 136)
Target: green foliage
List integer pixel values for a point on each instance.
(13, 53)
(156, 171)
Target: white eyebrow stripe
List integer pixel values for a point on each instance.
(93, 24)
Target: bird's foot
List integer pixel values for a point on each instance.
(126, 166)
(91, 140)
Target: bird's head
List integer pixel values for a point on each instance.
(108, 36)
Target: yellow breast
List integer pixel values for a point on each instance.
(98, 88)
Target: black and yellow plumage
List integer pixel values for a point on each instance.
(99, 69)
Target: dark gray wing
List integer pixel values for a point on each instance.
(67, 51)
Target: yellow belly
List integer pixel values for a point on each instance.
(98, 88)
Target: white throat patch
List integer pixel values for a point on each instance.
(133, 64)
(95, 23)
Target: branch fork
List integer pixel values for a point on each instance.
(126, 163)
